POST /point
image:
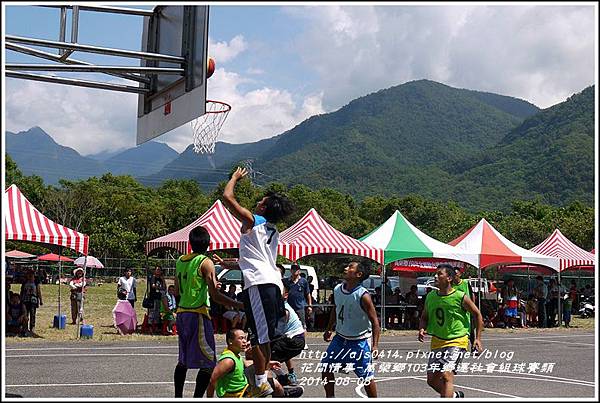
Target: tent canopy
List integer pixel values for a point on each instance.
(53, 257)
(23, 222)
(223, 227)
(401, 240)
(492, 248)
(569, 254)
(313, 235)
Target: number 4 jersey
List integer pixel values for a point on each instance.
(352, 321)
(447, 320)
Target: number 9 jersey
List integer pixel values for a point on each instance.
(446, 317)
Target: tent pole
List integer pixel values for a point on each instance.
(559, 298)
(479, 289)
(80, 314)
(59, 275)
(382, 324)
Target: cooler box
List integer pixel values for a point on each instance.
(87, 331)
(60, 321)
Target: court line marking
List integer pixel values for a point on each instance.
(310, 344)
(568, 342)
(359, 388)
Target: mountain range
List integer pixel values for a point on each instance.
(480, 149)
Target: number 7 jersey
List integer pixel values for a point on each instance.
(352, 322)
(258, 254)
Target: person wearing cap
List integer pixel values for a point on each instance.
(77, 285)
(299, 297)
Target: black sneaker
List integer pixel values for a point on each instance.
(459, 394)
(293, 391)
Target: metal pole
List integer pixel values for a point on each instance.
(115, 10)
(59, 272)
(75, 82)
(80, 315)
(479, 289)
(94, 69)
(63, 28)
(95, 49)
(75, 24)
(383, 298)
(559, 298)
(50, 56)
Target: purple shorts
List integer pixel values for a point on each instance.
(196, 340)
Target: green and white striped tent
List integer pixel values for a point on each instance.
(399, 240)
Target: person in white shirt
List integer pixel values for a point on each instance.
(128, 284)
(263, 288)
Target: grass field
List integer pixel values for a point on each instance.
(101, 299)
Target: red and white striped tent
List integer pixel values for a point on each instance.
(569, 254)
(494, 249)
(223, 227)
(23, 222)
(313, 235)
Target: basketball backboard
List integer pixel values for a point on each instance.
(173, 100)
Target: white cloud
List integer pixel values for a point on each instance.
(255, 115)
(541, 53)
(224, 52)
(88, 120)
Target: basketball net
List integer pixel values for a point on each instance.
(207, 127)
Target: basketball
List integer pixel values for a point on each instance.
(210, 67)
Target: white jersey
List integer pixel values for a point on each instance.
(258, 254)
(294, 326)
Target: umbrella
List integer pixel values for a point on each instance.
(53, 257)
(91, 262)
(124, 317)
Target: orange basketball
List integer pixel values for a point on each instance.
(210, 67)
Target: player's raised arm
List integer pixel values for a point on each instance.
(239, 212)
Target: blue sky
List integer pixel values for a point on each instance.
(279, 64)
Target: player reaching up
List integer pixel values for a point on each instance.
(263, 288)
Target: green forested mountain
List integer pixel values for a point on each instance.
(401, 140)
(550, 155)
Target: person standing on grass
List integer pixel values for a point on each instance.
(356, 322)
(445, 319)
(195, 281)
(128, 283)
(31, 295)
(263, 287)
(77, 285)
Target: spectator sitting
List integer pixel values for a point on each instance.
(236, 317)
(588, 291)
(16, 316)
(499, 319)
(168, 311)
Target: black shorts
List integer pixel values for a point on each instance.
(265, 311)
(286, 348)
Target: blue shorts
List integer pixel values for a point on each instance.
(356, 352)
(510, 312)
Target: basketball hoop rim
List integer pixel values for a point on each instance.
(226, 108)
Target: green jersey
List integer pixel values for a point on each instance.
(193, 289)
(462, 286)
(234, 381)
(446, 316)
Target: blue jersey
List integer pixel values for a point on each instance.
(352, 321)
